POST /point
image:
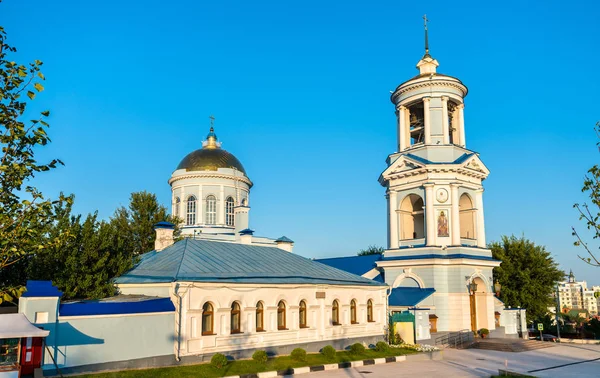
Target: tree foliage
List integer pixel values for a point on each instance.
(590, 213)
(138, 219)
(528, 275)
(24, 211)
(371, 250)
(95, 251)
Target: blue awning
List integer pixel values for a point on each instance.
(408, 296)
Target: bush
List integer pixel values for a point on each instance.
(484, 331)
(329, 352)
(218, 360)
(260, 356)
(357, 348)
(298, 354)
(382, 346)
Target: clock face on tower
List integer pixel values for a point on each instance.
(442, 195)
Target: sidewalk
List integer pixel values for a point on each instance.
(566, 360)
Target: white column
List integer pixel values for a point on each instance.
(406, 128)
(445, 126)
(455, 219)
(429, 215)
(393, 204)
(402, 142)
(461, 125)
(221, 206)
(200, 207)
(427, 120)
(480, 220)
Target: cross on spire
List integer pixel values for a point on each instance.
(212, 122)
(425, 20)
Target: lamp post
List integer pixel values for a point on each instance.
(556, 310)
(497, 288)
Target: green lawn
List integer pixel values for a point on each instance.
(249, 366)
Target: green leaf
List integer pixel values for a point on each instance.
(38, 87)
(46, 113)
(41, 76)
(30, 94)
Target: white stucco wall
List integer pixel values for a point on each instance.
(319, 322)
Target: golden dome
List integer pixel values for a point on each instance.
(210, 157)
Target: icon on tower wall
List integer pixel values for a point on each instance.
(442, 224)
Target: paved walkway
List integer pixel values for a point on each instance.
(566, 360)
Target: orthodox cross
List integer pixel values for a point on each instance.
(425, 20)
(212, 121)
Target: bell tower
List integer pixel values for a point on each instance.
(434, 194)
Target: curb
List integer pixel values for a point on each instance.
(327, 367)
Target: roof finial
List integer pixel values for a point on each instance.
(212, 123)
(425, 20)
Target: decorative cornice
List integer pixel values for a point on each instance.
(430, 83)
(210, 175)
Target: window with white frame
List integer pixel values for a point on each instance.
(229, 217)
(211, 210)
(191, 211)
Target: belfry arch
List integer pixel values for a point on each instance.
(412, 219)
(468, 217)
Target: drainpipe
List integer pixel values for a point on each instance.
(179, 318)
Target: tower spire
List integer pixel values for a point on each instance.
(425, 20)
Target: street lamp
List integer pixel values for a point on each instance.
(497, 288)
(472, 287)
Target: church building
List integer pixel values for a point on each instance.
(436, 259)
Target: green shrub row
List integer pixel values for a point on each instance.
(219, 360)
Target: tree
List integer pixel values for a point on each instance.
(138, 220)
(590, 214)
(24, 211)
(528, 275)
(371, 250)
(96, 251)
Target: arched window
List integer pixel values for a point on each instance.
(229, 218)
(207, 319)
(412, 219)
(335, 313)
(176, 206)
(259, 317)
(353, 312)
(302, 315)
(235, 317)
(191, 211)
(211, 209)
(370, 311)
(467, 217)
(281, 315)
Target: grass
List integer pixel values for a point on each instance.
(249, 366)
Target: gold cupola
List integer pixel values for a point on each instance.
(210, 157)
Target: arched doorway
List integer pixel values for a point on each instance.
(412, 218)
(478, 304)
(467, 217)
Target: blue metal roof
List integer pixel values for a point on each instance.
(460, 159)
(113, 307)
(408, 296)
(212, 261)
(41, 289)
(358, 265)
(284, 239)
(164, 225)
(436, 256)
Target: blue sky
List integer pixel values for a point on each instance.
(300, 91)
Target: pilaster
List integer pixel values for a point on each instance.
(393, 226)
(480, 219)
(429, 215)
(402, 142)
